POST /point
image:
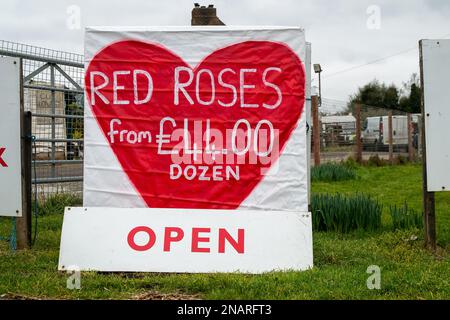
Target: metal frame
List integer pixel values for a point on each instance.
(54, 62)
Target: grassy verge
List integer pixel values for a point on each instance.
(341, 261)
(392, 185)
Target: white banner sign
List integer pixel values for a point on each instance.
(209, 118)
(10, 142)
(193, 241)
(436, 82)
(201, 118)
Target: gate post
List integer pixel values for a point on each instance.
(316, 129)
(429, 208)
(23, 227)
(358, 146)
(410, 138)
(390, 138)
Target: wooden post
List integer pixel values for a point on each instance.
(316, 129)
(410, 138)
(419, 140)
(23, 226)
(390, 138)
(358, 145)
(429, 208)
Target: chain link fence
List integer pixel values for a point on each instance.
(53, 92)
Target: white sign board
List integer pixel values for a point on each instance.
(204, 118)
(436, 82)
(191, 241)
(10, 142)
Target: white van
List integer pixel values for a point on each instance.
(375, 130)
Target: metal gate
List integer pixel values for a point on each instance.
(53, 92)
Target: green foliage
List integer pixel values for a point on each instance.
(415, 99)
(57, 203)
(376, 161)
(350, 163)
(400, 160)
(412, 95)
(405, 218)
(344, 214)
(75, 127)
(391, 97)
(332, 172)
(371, 94)
(376, 94)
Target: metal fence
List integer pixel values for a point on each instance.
(381, 134)
(53, 92)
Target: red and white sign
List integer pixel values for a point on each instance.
(197, 118)
(192, 241)
(10, 151)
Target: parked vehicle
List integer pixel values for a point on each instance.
(375, 131)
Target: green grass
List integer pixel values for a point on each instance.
(341, 260)
(393, 185)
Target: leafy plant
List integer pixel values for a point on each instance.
(405, 217)
(57, 203)
(376, 161)
(78, 134)
(75, 126)
(344, 214)
(350, 163)
(332, 172)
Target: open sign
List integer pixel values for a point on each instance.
(198, 241)
(196, 237)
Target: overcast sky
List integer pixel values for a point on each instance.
(338, 29)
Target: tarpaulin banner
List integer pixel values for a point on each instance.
(196, 118)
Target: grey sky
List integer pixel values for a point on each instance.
(337, 29)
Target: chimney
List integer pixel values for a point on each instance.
(205, 16)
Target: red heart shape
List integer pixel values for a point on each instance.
(149, 171)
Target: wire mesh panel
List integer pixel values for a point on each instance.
(53, 92)
(385, 134)
(337, 136)
(338, 132)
